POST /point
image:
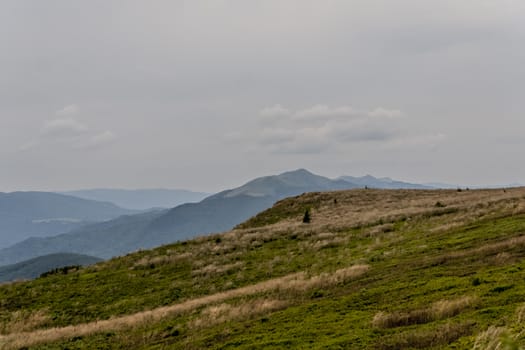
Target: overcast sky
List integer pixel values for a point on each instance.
(206, 95)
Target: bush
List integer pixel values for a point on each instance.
(306, 217)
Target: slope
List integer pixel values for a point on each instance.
(35, 267)
(384, 269)
(26, 214)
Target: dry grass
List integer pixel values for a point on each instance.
(168, 258)
(221, 313)
(439, 310)
(378, 209)
(24, 321)
(499, 338)
(490, 339)
(214, 269)
(421, 339)
(298, 282)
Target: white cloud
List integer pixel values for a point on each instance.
(324, 111)
(427, 140)
(322, 127)
(63, 128)
(387, 113)
(274, 111)
(97, 140)
(68, 110)
(68, 132)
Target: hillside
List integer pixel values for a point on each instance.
(141, 199)
(35, 267)
(216, 213)
(39, 214)
(383, 269)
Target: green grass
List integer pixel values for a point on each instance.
(415, 261)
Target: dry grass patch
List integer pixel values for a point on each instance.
(499, 338)
(166, 259)
(24, 321)
(422, 339)
(214, 269)
(490, 339)
(439, 310)
(221, 313)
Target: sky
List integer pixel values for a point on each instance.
(206, 95)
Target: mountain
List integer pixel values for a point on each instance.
(141, 199)
(215, 213)
(106, 239)
(374, 269)
(29, 214)
(382, 183)
(35, 267)
(226, 209)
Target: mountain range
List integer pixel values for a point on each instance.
(141, 199)
(35, 267)
(382, 183)
(38, 214)
(216, 213)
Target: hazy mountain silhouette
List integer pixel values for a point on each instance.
(29, 214)
(35, 267)
(215, 213)
(382, 183)
(141, 199)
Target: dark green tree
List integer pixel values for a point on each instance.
(306, 217)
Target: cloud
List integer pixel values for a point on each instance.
(324, 111)
(383, 112)
(68, 110)
(66, 127)
(96, 140)
(431, 140)
(321, 127)
(69, 132)
(273, 111)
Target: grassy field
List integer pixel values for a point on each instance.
(379, 269)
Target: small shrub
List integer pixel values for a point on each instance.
(500, 289)
(317, 294)
(306, 217)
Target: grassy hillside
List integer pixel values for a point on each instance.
(384, 269)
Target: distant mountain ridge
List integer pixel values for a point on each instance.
(30, 214)
(383, 183)
(216, 213)
(33, 268)
(141, 199)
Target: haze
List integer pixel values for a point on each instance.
(205, 95)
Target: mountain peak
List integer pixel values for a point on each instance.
(298, 172)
